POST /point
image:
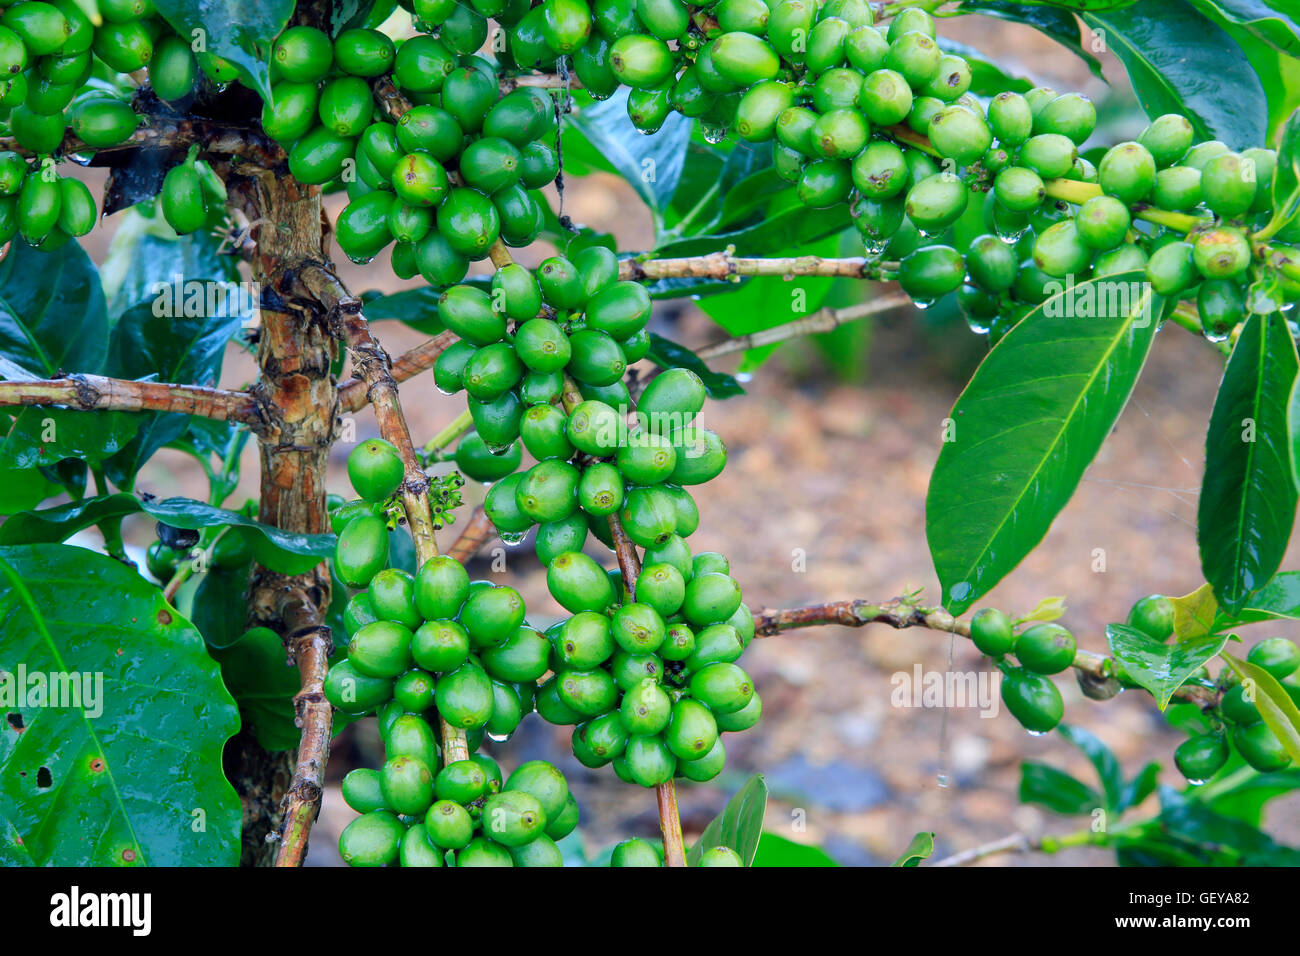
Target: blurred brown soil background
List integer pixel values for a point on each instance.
(831, 478)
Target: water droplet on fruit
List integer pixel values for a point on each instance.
(923, 303)
(1010, 236)
(713, 134)
(978, 326)
(1194, 782)
(512, 538)
(361, 260)
(1037, 733)
(874, 247)
(498, 738)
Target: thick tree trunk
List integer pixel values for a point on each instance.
(299, 395)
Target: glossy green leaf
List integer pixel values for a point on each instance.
(668, 354)
(920, 848)
(418, 308)
(133, 775)
(41, 435)
(789, 225)
(1246, 801)
(1286, 180)
(1180, 62)
(257, 673)
(23, 488)
(1100, 756)
(1160, 668)
(1140, 787)
(234, 30)
(190, 274)
(738, 826)
(1195, 613)
(1056, 790)
(1248, 495)
(776, 850)
(52, 313)
(1280, 598)
(1223, 840)
(1058, 24)
(1028, 424)
(652, 165)
(217, 607)
(277, 549)
(1275, 704)
(1275, 23)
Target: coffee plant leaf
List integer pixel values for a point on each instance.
(1140, 787)
(1060, 25)
(52, 525)
(1264, 20)
(920, 848)
(1217, 839)
(1246, 800)
(149, 342)
(1027, 425)
(1195, 613)
(1280, 598)
(285, 551)
(652, 165)
(1168, 58)
(233, 30)
(668, 354)
(1248, 495)
(1160, 668)
(1103, 761)
(256, 671)
(739, 825)
(140, 782)
(776, 850)
(53, 318)
(42, 436)
(1056, 790)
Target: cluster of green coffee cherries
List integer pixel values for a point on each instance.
(435, 645)
(648, 677)
(446, 180)
(48, 52)
(1043, 649)
(1238, 719)
(1040, 650)
(881, 118)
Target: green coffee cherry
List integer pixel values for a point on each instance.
(1052, 155)
(465, 697)
(991, 263)
(1170, 269)
(936, 202)
(1200, 758)
(407, 785)
(521, 658)
(1019, 189)
(1239, 708)
(959, 135)
(375, 469)
(1045, 648)
(381, 649)
(636, 852)
(1167, 138)
(392, 596)
(1071, 115)
(481, 851)
(579, 583)
(414, 690)
(1153, 615)
(373, 839)
(1221, 253)
(1277, 655)
(1260, 748)
(662, 588)
(648, 760)
(759, 109)
(352, 692)
(1033, 700)
(544, 782)
(931, 272)
(885, 97)
(462, 782)
(723, 687)
(440, 646)
(1228, 184)
(990, 631)
(739, 720)
(363, 790)
(1177, 188)
(477, 462)
(513, 818)
(641, 62)
(1221, 305)
(720, 856)
(1127, 172)
(362, 550)
(1060, 250)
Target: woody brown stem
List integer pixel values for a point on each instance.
(96, 392)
